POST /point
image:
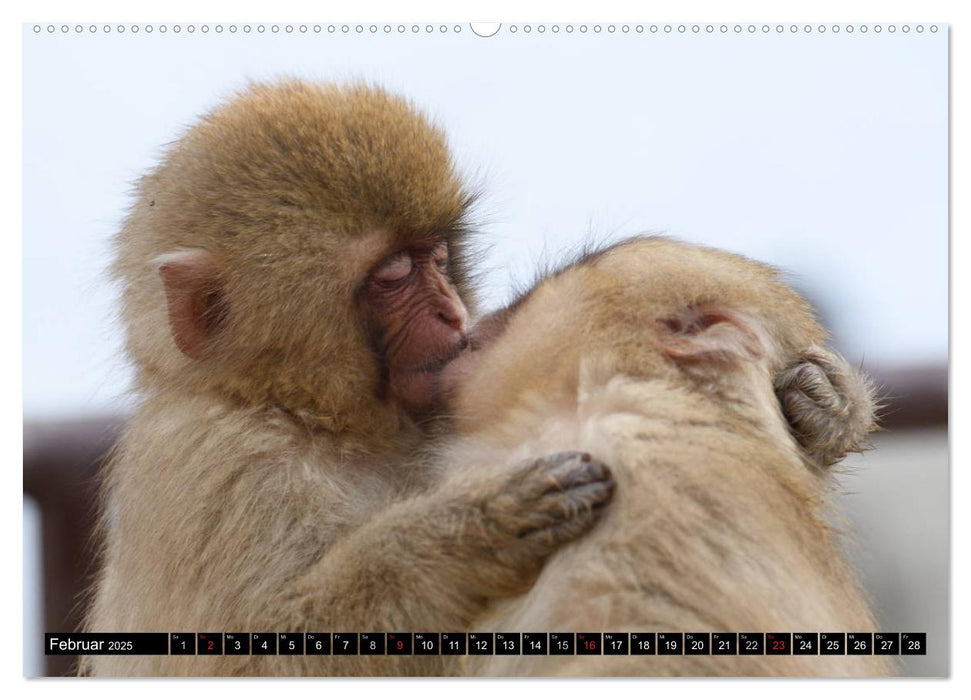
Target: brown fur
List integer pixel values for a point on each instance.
(659, 358)
(266, 483)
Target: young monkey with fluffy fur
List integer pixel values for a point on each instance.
(659, 358)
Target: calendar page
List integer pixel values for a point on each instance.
(226, 225)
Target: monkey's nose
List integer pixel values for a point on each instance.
(453, 318)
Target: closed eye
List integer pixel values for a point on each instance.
(395, 268)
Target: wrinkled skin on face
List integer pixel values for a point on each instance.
(416, 321)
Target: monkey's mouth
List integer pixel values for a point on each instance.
(437, 365)
(418, 387)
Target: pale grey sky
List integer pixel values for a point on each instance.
(825, 154)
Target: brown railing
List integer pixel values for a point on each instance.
(61, 461)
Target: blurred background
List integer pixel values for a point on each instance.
(825, 154)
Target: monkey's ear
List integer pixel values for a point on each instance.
(193, 296)
(710, 332)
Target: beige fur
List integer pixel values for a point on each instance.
(719, 522)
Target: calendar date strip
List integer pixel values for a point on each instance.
(488, 643)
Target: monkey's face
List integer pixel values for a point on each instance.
(308, 246)
(416, 321)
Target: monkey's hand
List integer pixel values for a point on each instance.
(830, 406)
(544, 504)
(498, 526)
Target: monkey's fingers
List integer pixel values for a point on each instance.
(829, 406)
(818, 382)
(552, 499)
(569, 514)
(558, 472)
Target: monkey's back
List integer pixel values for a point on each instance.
(716, 526)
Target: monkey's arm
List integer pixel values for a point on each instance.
(829, 405)
(433, 562)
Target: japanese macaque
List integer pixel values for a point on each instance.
(660, 358)
(293, 276)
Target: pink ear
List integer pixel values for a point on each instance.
(192, 293)
(710, 332)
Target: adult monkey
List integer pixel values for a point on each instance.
(293, 280)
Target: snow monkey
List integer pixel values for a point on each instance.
(659, 358)
(293, 280)
(295, 275)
